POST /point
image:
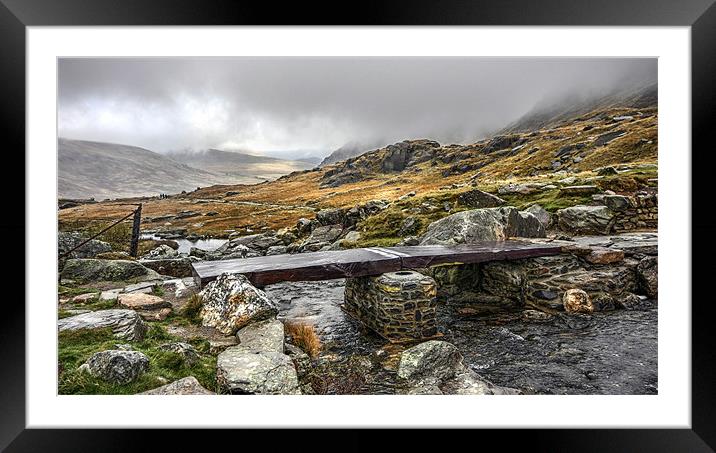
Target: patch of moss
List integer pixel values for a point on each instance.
(548, 199)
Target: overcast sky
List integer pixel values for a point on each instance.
(294, 107)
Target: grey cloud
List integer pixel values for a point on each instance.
(295, 106)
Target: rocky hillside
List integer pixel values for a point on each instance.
(230, 163)
(347, 151)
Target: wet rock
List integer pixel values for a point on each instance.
(244, 371)
(436, 367)
(647, 272)
(603, 139)
(478, 199)
(544, 217)
(184, 386)
(489, 224)
(577, 301)
(301, 360)
(331, 216)
(604, 256)
(189, 355)
(586, 219)
(631, 301)
(155, 315)
(231, 302)
(118, 366)
(90, 270)
(66, 241)
(535, 315)
(125, 324)
(265, 335)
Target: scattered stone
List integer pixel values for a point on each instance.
(617, 203)
(630, 302)
(89, 270)
(544, 217)
(118, 366)
(331, 216)
(155, 315)
(125, 324)
(301, 360)
(409, 226)
(231, 302)
(187, 351)
(161, 252)
(535, 315)
(607, 171)
(184, 386)
(141, 301)
(84, 298)
(577, 301)
(173, 267)
(608, 137)
(570, 191)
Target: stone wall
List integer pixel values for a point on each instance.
(399, 306)
(637, 212)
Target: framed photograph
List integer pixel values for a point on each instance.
(422, 216)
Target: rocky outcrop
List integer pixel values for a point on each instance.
(490, 224)
(231, 302)
(436, 367)
(91, 270)
(173, 267)
(184, 386)
(66, 241)
(118, 366)
(584, 219)
(125, 324)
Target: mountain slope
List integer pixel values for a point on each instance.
(230, 163)
(351, 149)
(108, 170)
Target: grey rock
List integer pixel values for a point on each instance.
(617, 202)
(161, 252)
(276, 250)
(244, 371)
(125, 324)
(231, 302)
(90, 270)
(173, 267)
(265, 335)
(604, 139)
(544, 217)
(586, 219)
(66, 241)
(331, 216)
(489, 224)
(118, 366)
(478, 199)
(184, 386)
(409, 226)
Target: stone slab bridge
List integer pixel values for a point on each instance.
(382, 290)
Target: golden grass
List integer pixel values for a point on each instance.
(304, 336)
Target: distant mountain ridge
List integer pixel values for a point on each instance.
(88, 169)
(351, 149)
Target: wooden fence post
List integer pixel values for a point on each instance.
(135, 231)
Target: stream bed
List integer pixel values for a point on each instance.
(612, 352)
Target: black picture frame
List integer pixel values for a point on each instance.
(700, 15)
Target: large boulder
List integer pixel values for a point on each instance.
(161, 252)
(331, 216)
(577, 301)
(125, 324)
(184, 386)
(232, 302)
(584, 219)
(321, 237)
(647, 273)
(66, 241)
(544, 217)
(242, 370)
(91, 270)
(489, 224)
(118, 366)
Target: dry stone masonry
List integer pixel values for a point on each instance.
(399, 306)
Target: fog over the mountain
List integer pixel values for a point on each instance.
(296, 107)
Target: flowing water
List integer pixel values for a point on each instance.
(606, 353)
(185, 244)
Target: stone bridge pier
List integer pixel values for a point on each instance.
(399, 306)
